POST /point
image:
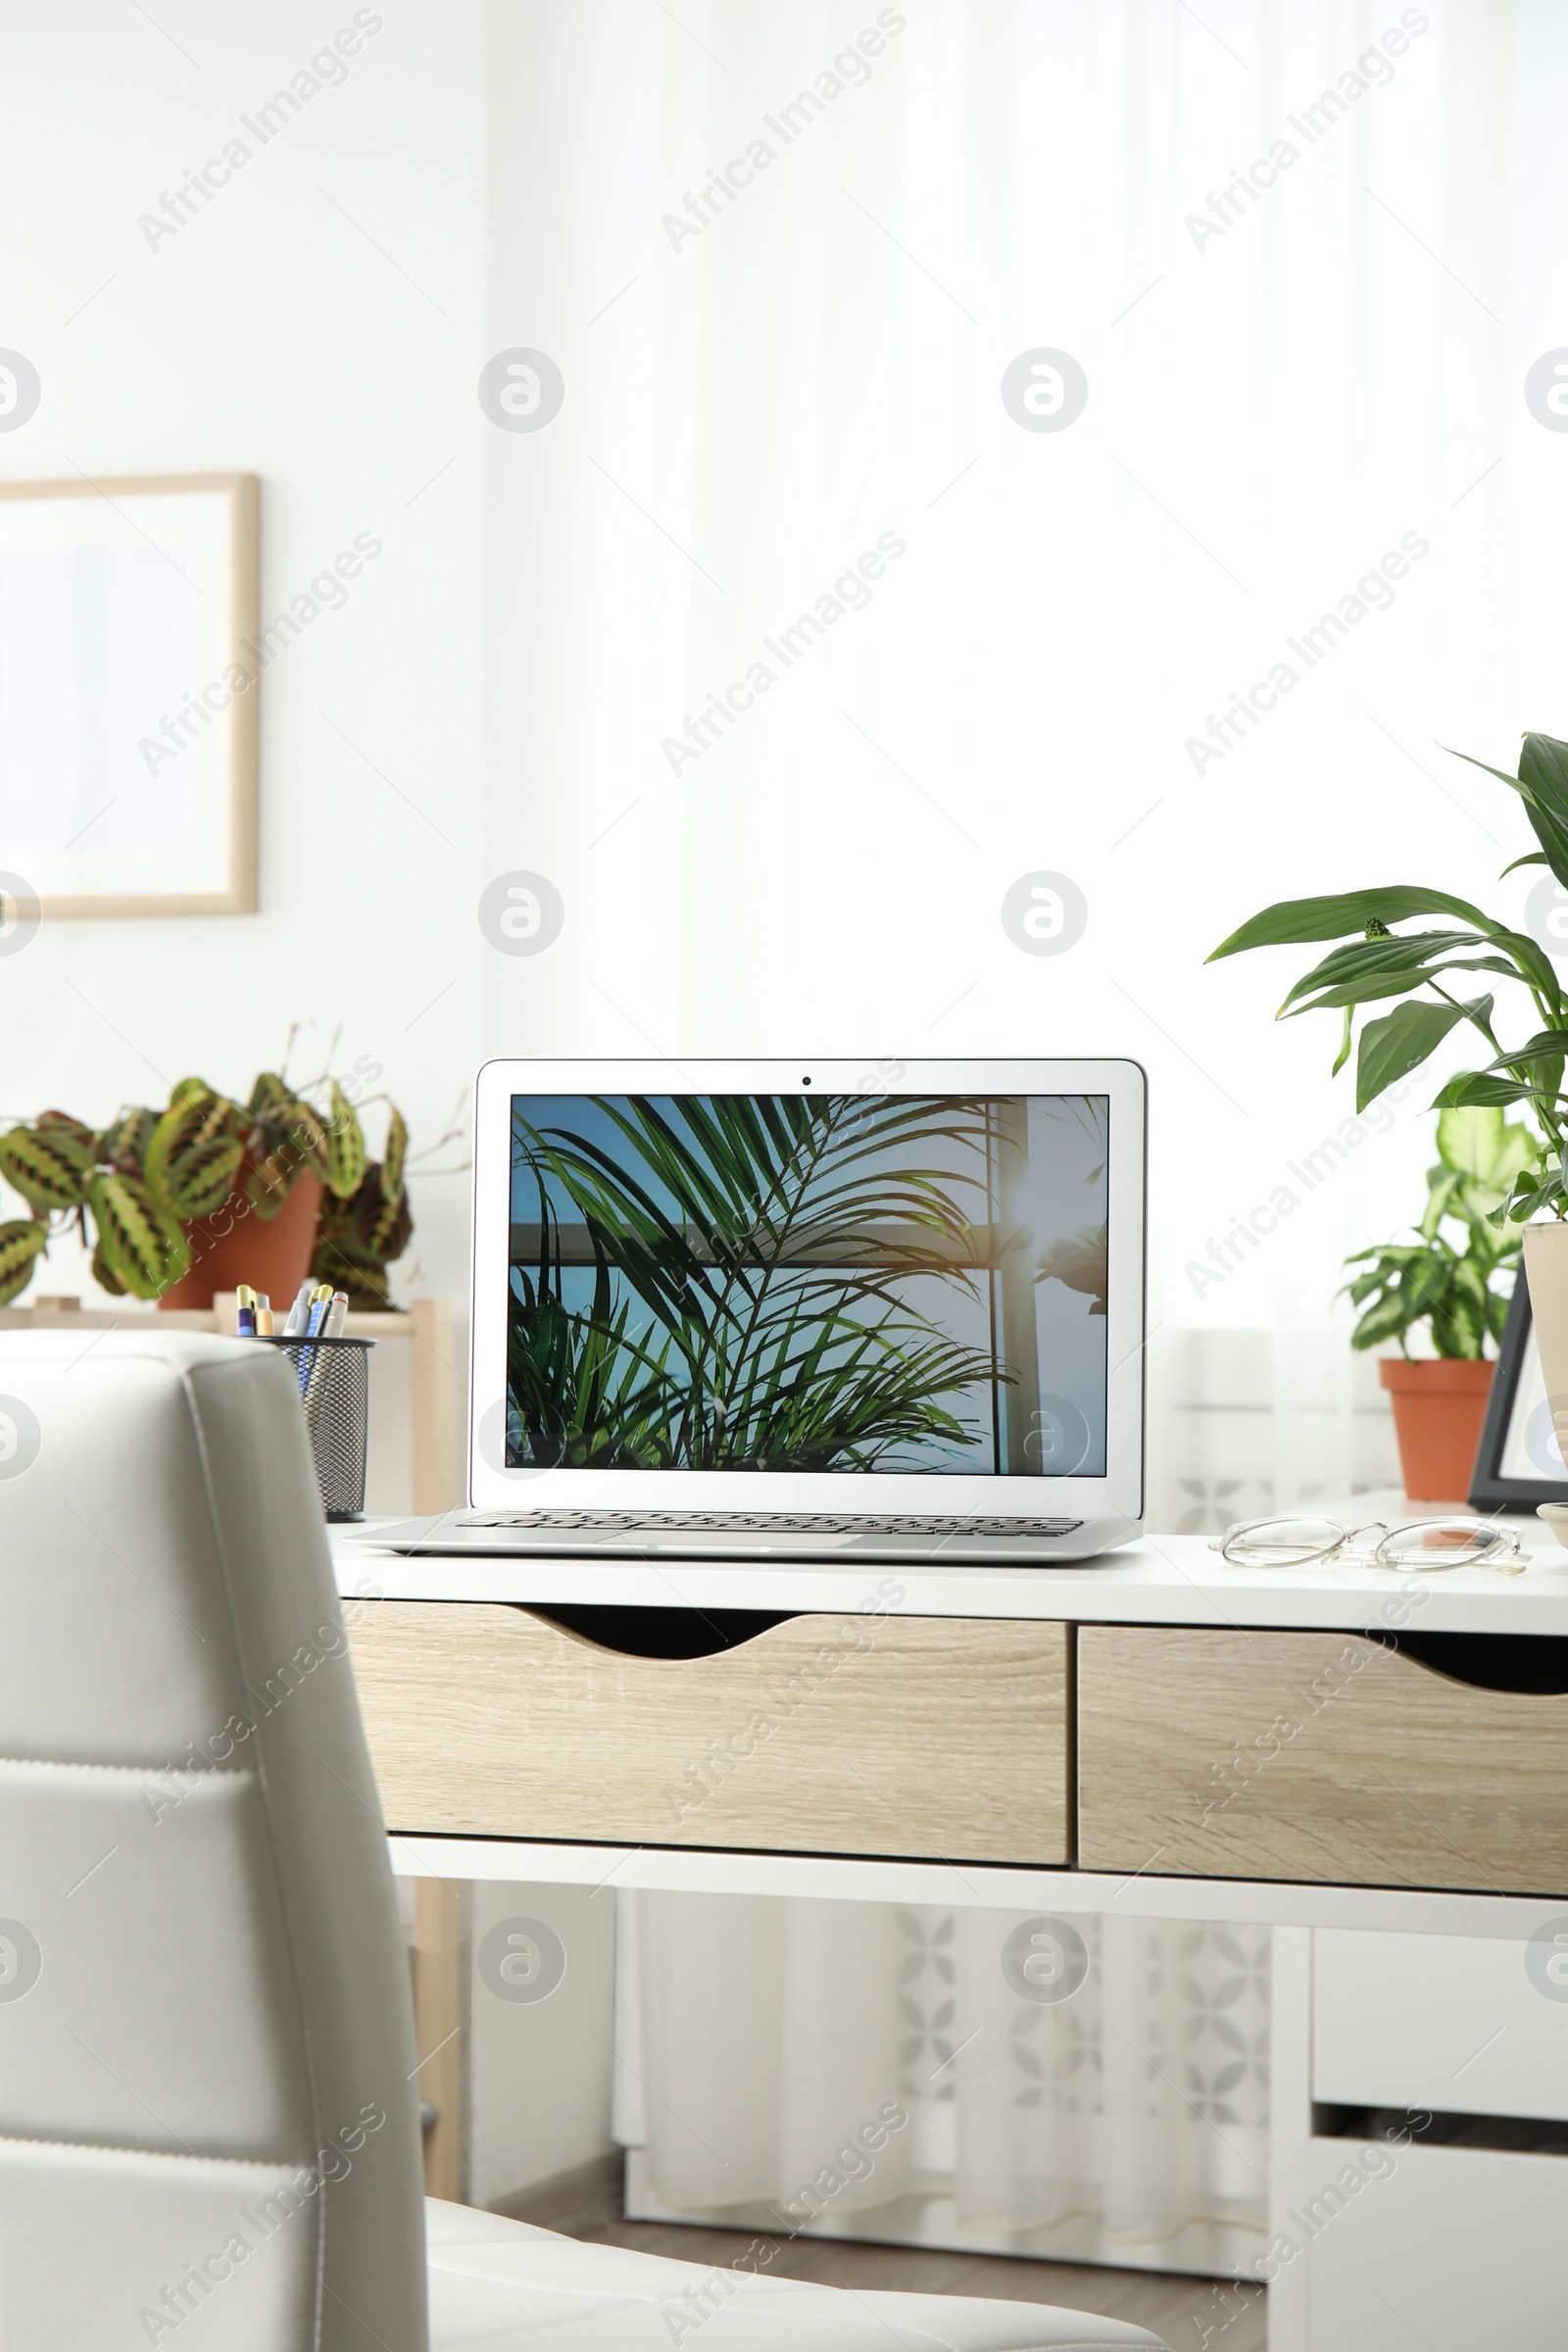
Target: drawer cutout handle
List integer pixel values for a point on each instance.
(675, 1632)
(1529, 1663)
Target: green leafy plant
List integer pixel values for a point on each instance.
(1383, 963)
(759, 1322)
(134, 1187)
(359, 1233)
(1452, 1287)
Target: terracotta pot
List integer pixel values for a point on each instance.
(1439, 1404)
(273, 1254)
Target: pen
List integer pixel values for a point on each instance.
(337, 1314)
(299, 1315)
(320, 1302)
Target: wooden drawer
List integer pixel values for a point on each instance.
(917, 1737)
(1311, 1755)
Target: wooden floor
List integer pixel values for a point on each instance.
(1188, 2313)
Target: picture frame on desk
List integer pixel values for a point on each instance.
(1518, 1464)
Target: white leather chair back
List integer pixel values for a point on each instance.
(209, 2134)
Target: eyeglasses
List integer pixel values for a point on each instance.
(1416, 1545)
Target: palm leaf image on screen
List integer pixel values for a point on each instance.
(724, 1283)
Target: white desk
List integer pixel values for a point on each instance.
(1361, 2014)
(1164, 1580)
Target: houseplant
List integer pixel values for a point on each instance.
(1378, 964)
(208, 1192)
(1451, 1287)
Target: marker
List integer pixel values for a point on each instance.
(245, 1317)
(264, 1316)
(299, 1315)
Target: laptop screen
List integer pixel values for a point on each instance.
(853, 1282)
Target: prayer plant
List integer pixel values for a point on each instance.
(1379, 963)
(135, 1186)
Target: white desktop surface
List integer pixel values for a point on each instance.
(1162, 1580)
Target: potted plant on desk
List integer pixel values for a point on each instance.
(1440, 1401)
(180, 1203)
(1378, 962)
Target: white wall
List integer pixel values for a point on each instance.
(270, 335)
(742, 414)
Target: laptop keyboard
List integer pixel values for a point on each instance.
(765, 1523)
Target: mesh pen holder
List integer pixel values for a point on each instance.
(334, 1383)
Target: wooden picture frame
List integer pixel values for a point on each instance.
(1514, 1461)
(129, 680)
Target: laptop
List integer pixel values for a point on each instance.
(803, 1311)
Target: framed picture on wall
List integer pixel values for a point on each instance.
(129, 690)
(1519, 1462)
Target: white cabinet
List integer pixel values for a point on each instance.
(1440, 2021)
(1461, 2249)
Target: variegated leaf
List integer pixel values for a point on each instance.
(50, 1169)
(270, 1181)
(104, 1275)
(20, 1245)
(395, 1157)
(344, 1164)
(194, 1153)
(144, 1249)
(124, 1143)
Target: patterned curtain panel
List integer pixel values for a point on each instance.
(1091, 2089)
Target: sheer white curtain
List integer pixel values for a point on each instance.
(1288, 375)
(1304, 257)
(868, 2068)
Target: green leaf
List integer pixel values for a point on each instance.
(104, 1275)
(1294, 922)
(61, 1124)
(1401, 981)
(141, 1245)
(394, 1159)
(272, 1180)
(124, 1143)
(1530, 857)
(344, 1162)
(20, 1243)
(1548, 1041)
(49, 1167)
(1399, 1042)
(1469, 1140)
(270, 1100)
(1543, 785)
(1390, 1319)
(1479, 1087)
(1477, 1140)
(194, 1153)
(1388, 965)
(1445, 1182)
